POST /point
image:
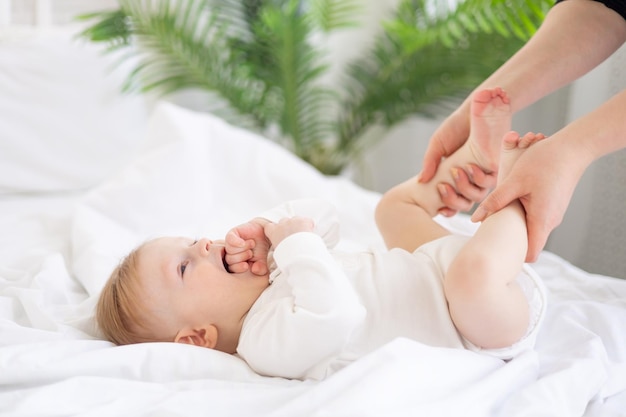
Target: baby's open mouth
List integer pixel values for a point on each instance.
(224, 260)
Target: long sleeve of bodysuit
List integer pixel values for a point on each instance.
(306, 317)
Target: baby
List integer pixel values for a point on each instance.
(275, 293)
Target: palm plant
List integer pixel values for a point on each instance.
(265, 62)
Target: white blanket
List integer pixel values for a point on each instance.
(198, 176)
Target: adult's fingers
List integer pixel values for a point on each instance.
(465, 187)
(430, 162)
(537, 237)
(498, 199)
(447, 212)
(540, 222)
(480, 178)
(452, 200)
(448, 137)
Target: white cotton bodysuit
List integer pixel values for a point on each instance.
(324, 308)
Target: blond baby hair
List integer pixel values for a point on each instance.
(120, 313)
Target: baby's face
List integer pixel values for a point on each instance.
(185, 283)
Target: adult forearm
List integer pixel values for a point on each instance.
(597, 133)
(575, 37)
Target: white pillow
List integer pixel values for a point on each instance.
(64, 125)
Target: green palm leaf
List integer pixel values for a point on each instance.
(330, 15)
(263, 61)
(428, 57)
(112, 27)
(286, 30)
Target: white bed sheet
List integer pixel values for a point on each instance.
(198, 176)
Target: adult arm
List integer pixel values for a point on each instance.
(575, 37)
(545, 176)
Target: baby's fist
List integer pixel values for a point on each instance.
(277, 232)
(247, 248)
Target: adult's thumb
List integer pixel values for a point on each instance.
(495, 201)
(536, 242)
(429, 165)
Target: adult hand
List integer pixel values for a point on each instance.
(543, 179)
(449, 137)
(247, 248)
(465, 191)
(471, 183)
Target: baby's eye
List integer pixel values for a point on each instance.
(183, 266)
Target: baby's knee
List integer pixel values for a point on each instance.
(470, 277)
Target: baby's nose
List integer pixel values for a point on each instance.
(204, 245)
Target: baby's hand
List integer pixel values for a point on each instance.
(277, 232)
(247, 248)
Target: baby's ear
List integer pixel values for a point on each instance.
(204, 336)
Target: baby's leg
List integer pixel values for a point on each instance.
(486, 304)
(512, 147)
(490, 121)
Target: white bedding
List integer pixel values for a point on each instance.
(195, 175)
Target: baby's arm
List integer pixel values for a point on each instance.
(312, 310)
(247, 247)
(323, 214)
(403, 218)
(277, 232)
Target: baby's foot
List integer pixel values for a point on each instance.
(512, 147)
(490, 119)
